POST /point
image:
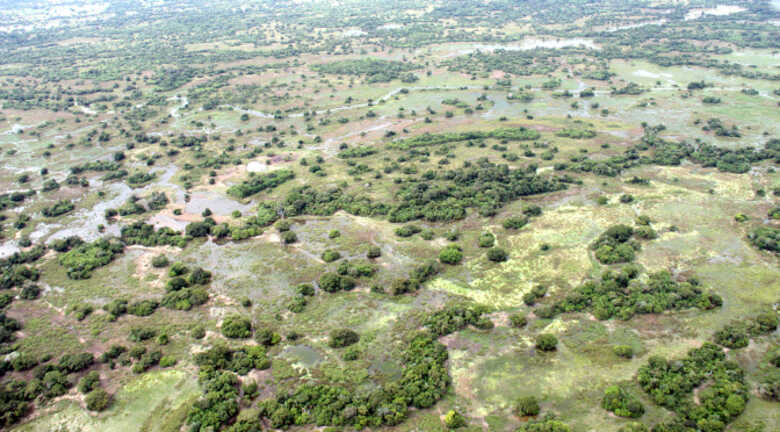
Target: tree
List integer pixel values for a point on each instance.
(546, 342)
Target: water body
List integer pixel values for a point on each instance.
(531, 43)
(637, 25)
(720, 10)
(220, 205)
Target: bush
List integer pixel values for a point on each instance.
(330, 255)
(289, 237)
(546, 342)
(236, 327)
(330, 282)
(304, 290)
(167, 361)
(160, 261)
(633, 427)
(374, 252)
(515, 222)
(90, 382)
(545, 425)
(486, 240)
(267, 337)
(454, 420)
(30, 292)
(452, 254)
(518, 320)
(140, 334)
(343, 337)
(625, 351)
(98, 400)
(407, 230)
(622, 403)
(528, 406)
(497, 255)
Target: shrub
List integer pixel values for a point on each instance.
(98, 400)
(297, 304)
(267, 337)
(342, 337)
(330, 282)
(90, 382)
(497, 255)
(236, 327)
(167, 361)
(625, 351)
(545, 425)
(452, 254)
(330, 255)
(374, 252)
(766, 238)
(305, 290)
(518, 320)
(454, 420)
(160, 261)
(622, 403)
(633, 427)
(30, 292)
(645, 233)
(515, 222)
(528, 406)
(486, 240)
(546, 342)
(140, 334)
(289, 237)
(407, 230)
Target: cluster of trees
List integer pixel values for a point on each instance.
(485, 186)
(424, 380)
(621, 295)
(185, 290)
(576, 133)
(430, 140)
(258, 183)
(621, 402)
(48, 380)
(737, 335)
(454, 318)
(142, 233)
(671, 383)
(240, 361)
(375, 70)
(356, 152)
(615, 245)
(58, 209)
(83, 259)
(766, 238)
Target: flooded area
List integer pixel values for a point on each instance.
(720, 10)
(528, 43)
(219, 204)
